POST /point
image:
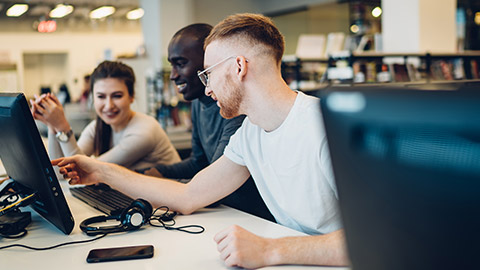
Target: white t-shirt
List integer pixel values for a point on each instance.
(291, 167)
(141, 144)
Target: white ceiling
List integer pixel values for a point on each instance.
(78, 21)
(82, 7)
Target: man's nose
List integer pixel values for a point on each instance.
(173, 74)
(208, 91)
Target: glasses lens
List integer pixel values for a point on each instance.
(203, 77)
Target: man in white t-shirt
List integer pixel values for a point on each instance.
(281, 143)
(291, 168)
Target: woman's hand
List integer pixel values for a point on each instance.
(36, 106)
(48, 109)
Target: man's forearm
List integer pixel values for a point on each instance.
(328, 249)
(158, 191)
(206, 187)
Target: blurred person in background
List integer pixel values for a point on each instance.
(118, 135)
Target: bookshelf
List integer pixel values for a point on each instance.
(379, 68)
(166, 104)
(171, 110)
(304, 73)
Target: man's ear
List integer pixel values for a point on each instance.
(241, 67)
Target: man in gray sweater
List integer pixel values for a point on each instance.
(210, 131)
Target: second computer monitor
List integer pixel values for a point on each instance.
(407, 167)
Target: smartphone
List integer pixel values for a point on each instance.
(120, 253)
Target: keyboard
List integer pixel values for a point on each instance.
(102, 197)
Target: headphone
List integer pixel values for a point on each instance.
(131, 218)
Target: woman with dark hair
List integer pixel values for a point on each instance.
(119, 134)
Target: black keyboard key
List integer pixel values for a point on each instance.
(103, 198)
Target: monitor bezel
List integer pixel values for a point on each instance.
(31, 168)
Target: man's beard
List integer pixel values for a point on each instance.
(230, 105)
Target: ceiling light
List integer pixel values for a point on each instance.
(477, 18)
(17, 10)
(61, 11)
(102, 12)
(135, 14)
(376, 12)
(354, 28)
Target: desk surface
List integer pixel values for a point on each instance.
(173, 249)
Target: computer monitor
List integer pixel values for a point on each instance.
(26, 161)
(407, 168)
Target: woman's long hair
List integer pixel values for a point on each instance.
(109, 69)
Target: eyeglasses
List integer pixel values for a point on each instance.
(203, 75)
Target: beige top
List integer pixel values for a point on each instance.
(141, 144)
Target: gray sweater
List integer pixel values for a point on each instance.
(142, 143)
(210, 135)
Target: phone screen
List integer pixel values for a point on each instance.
(120, 253)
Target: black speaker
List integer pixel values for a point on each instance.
(131, 218)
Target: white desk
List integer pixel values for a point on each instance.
(173, 249)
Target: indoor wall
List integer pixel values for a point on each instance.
(44, 70)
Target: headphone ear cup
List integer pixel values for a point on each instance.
(137, 214)
(145, 206)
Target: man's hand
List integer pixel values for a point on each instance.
(241, 248)
(79, 169)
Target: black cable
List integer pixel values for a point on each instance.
(181, 228)
(168, 217)
(161, 218)
(55, 246)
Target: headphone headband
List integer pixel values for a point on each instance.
(131, 218)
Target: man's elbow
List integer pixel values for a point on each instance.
(186, 211)
(186, 208)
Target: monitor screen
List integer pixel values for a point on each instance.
(25, 160)
(407, 167)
